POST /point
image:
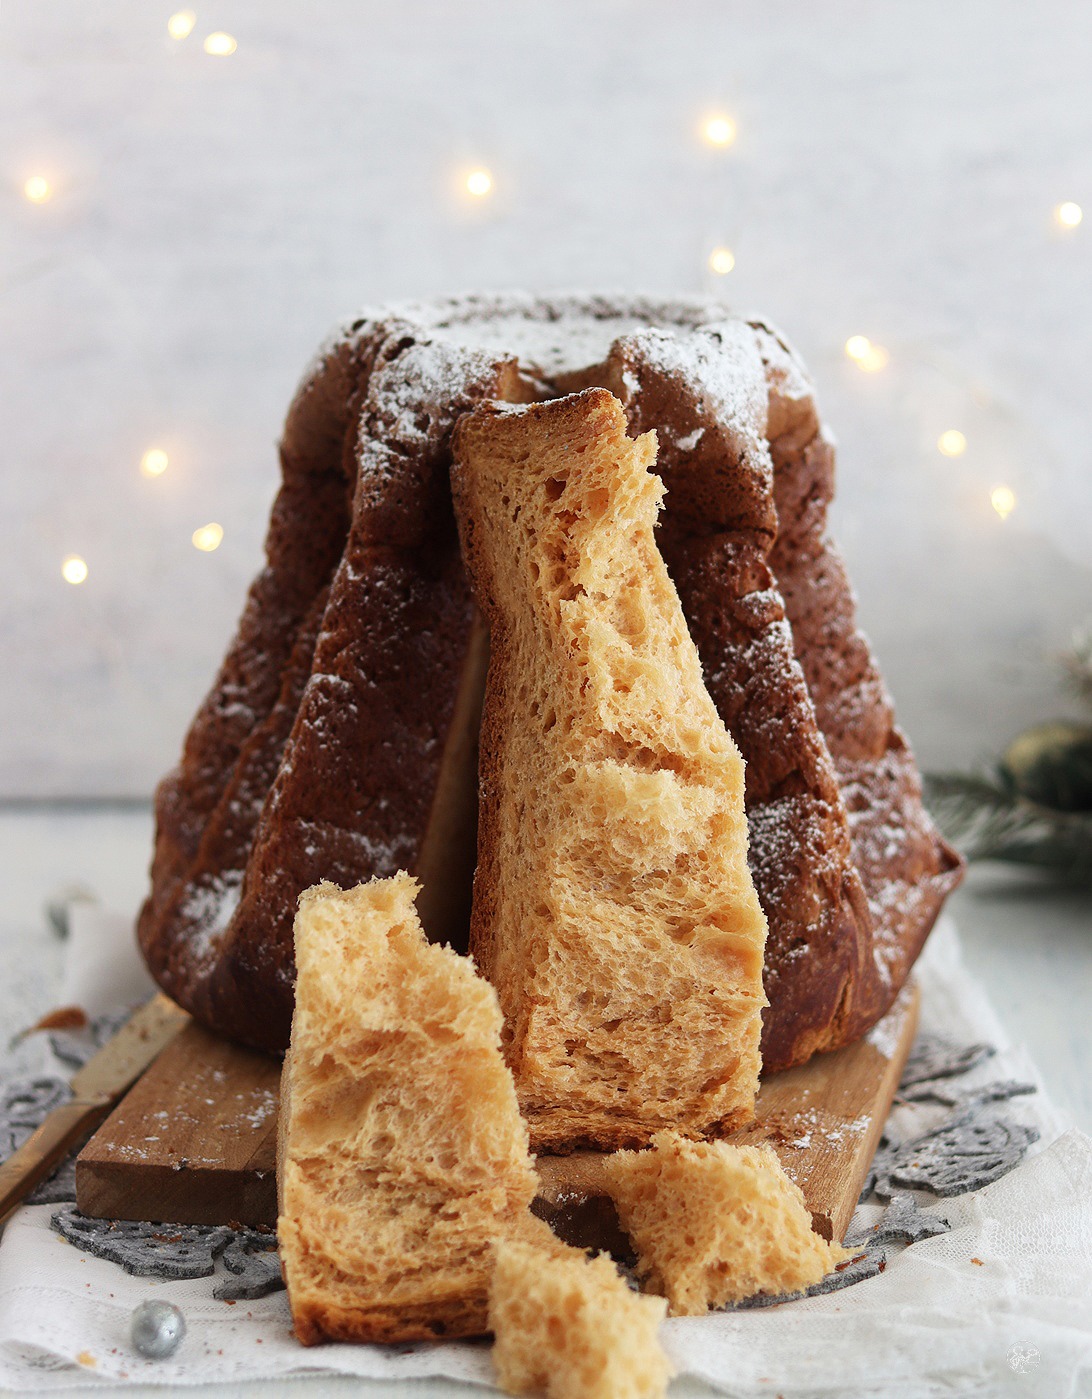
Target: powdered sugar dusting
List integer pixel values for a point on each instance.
(208, 909)
(250, 1108)
(690, 441)
(413, 394)
(722, 365)
(551, 346)
(551, 335)
(790, 380)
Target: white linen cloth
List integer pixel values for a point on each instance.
(1001, 1305)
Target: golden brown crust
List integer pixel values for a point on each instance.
(906, 868)
(462, 1311)
(371, 668)
(316, 1322)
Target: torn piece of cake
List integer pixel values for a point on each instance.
(402, 1156)
(569, 1327)
(713, 1223)
(613, 907)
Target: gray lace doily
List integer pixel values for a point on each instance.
(175, 1252)
(956, 1097)
(26, 1101)
(868, 1264)
(170, 1251)
(972, 1147)
(961, 1156)
(933, 1057)
(903, 1222)
(75, 1047)
(24, 1105)
(252, 1259)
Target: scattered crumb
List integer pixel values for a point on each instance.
(713, 1223)
(978, 1262)
(566, 1325)
(63, 1018)
(86, 1358)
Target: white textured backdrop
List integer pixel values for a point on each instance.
(895, 175)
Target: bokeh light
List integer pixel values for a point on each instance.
(208, 537)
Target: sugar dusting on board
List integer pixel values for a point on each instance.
(817, 1128)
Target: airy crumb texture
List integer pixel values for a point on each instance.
(402, 1156)
(569, 1327)
(613, 907)
(713, 1223)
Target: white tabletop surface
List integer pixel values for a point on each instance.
(1029, 942)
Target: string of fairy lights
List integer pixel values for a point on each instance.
(717, 130)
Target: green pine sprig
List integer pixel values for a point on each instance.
(987, 820)
(987, 817)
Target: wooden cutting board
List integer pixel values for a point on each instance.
(194, 1141)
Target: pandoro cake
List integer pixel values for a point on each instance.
(338, 739)
(613, 896)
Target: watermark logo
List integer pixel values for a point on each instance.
(1024, 1358)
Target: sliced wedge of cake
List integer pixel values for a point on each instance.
(713, 1223)
(613, 908)
(402, 1155)
(569, 1327)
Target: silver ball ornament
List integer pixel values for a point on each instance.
(157, 1329)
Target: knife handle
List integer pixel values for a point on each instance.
(49, 1143)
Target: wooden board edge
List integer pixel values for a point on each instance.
(839, 1219)
(107, 1191)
